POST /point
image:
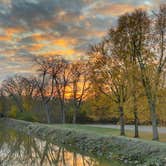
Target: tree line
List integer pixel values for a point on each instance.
(134, 50)
(126, 66)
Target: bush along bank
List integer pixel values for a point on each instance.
(129, 150)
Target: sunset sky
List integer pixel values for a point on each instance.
(31, 28)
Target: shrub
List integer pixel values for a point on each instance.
(27, 116)
(13, 112)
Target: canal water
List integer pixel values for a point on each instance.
(17, 149)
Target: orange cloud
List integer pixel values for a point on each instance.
(9, 32)
(5, 38)
(39, 37)
(64, 42)
(13, 30)
(66, 52)
(61, 42)
(8, 52)
(118, 9)
(52, 45)
(35, 47)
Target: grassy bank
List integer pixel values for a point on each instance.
(113, 132)
(89, 140)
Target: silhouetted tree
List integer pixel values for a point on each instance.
(79, 84)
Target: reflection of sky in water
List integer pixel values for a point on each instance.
(21, 150)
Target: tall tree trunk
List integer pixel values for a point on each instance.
(75, 116)
(136, 121)
(122, 124)
(47, 113)
(152, 107)
(63, 116)
(151, 102)
(134, 98)
(136, 133)
(18, 103)
(154, 120)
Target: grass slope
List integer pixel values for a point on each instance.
(111, 132)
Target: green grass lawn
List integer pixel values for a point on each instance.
(111, 132)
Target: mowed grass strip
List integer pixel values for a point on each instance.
(111, 132)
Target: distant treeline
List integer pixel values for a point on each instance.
(100, 110)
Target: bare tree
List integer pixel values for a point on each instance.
(45, 83)
(61, 77)
(19, 87)
(79, 83)
(14, 87)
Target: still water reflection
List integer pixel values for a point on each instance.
(17, 149)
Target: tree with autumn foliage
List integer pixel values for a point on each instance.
(110, 74)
